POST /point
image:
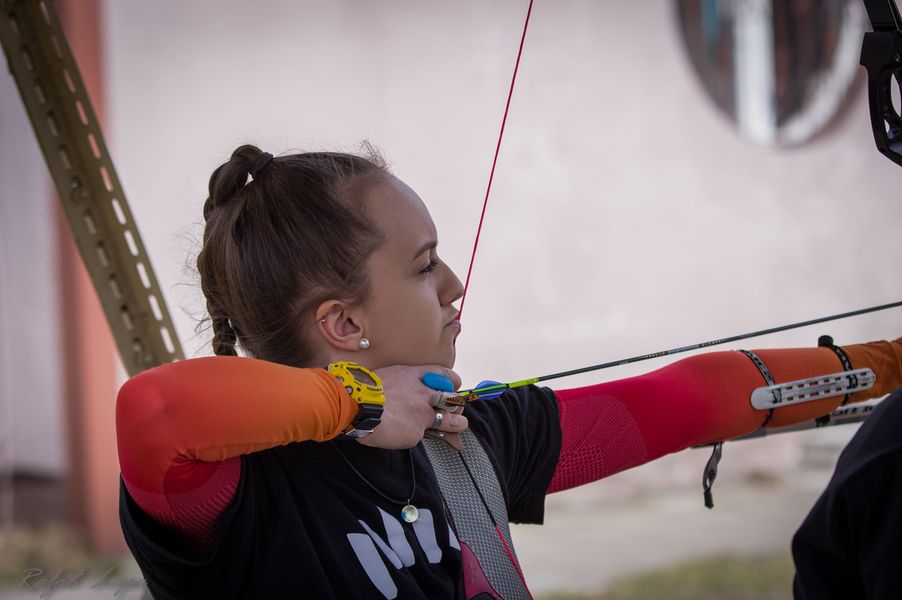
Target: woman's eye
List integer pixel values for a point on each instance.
(431, 266)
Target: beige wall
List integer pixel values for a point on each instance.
(626, 216)
(30, 406)
(626, 213)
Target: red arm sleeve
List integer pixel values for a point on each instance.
(181, 428)
(617, 425)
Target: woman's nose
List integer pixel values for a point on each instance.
(453, 289)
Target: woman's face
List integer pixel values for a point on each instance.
(408, 317)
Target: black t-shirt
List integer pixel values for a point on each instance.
(850, 545)
(303, 525)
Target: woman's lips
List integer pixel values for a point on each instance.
(454, 323)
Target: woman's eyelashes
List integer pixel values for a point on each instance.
(433, 262)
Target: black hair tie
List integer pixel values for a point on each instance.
(262, 161)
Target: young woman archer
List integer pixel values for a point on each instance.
(290, 472)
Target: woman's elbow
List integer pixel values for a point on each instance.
(140, 406)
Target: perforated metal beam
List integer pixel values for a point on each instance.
(69, 135)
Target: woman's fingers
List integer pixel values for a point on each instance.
(441, 378)
(453, 439)
(449, 427)
(410, 406)
(439, 400)
(449, 422)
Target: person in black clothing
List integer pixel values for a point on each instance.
(315, 465)
(850, 544)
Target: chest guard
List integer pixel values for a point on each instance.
(476, 503)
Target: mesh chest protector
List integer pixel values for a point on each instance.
(474, 499)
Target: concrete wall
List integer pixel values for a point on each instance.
(31, 430)
(627, 215)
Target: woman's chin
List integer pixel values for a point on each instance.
(453, 356)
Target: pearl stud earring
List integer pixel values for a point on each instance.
(364, 343)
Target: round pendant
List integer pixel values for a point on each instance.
(410, 513)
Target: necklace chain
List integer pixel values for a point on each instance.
(413, 473)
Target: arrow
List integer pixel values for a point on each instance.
(495, 389)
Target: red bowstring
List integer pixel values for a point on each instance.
(495, 159)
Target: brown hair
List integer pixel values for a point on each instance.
(276, 247)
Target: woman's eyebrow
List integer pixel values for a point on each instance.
(427, 246)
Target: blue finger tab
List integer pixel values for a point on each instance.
(489, 395)
(438, 382)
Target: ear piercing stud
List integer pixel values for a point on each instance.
(363, 343)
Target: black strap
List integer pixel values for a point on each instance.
(710, 472)
(762, 368)
(826, 341)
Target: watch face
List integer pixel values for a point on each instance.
(361, 384)
(361, 376)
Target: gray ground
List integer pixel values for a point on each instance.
(653, 517)
(584, 547)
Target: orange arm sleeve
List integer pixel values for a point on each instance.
(884, 358)
(616, 425)
(182, 426)
(211, 409)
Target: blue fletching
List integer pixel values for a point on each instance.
(438, 382)
(489, 395)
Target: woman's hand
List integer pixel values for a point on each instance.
(410, 408)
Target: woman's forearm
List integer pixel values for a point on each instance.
(620, 424)
(181, 428)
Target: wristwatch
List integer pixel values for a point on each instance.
(365, 388)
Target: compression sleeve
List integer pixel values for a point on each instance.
(613, 426)
(182, 427)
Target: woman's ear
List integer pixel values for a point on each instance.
(337, 327)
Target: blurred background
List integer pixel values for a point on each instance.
(672, 171)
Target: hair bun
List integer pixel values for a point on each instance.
(230, 177)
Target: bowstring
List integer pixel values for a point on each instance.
(488, 189)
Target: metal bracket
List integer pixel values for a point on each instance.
(91, 195)
(812, 388)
